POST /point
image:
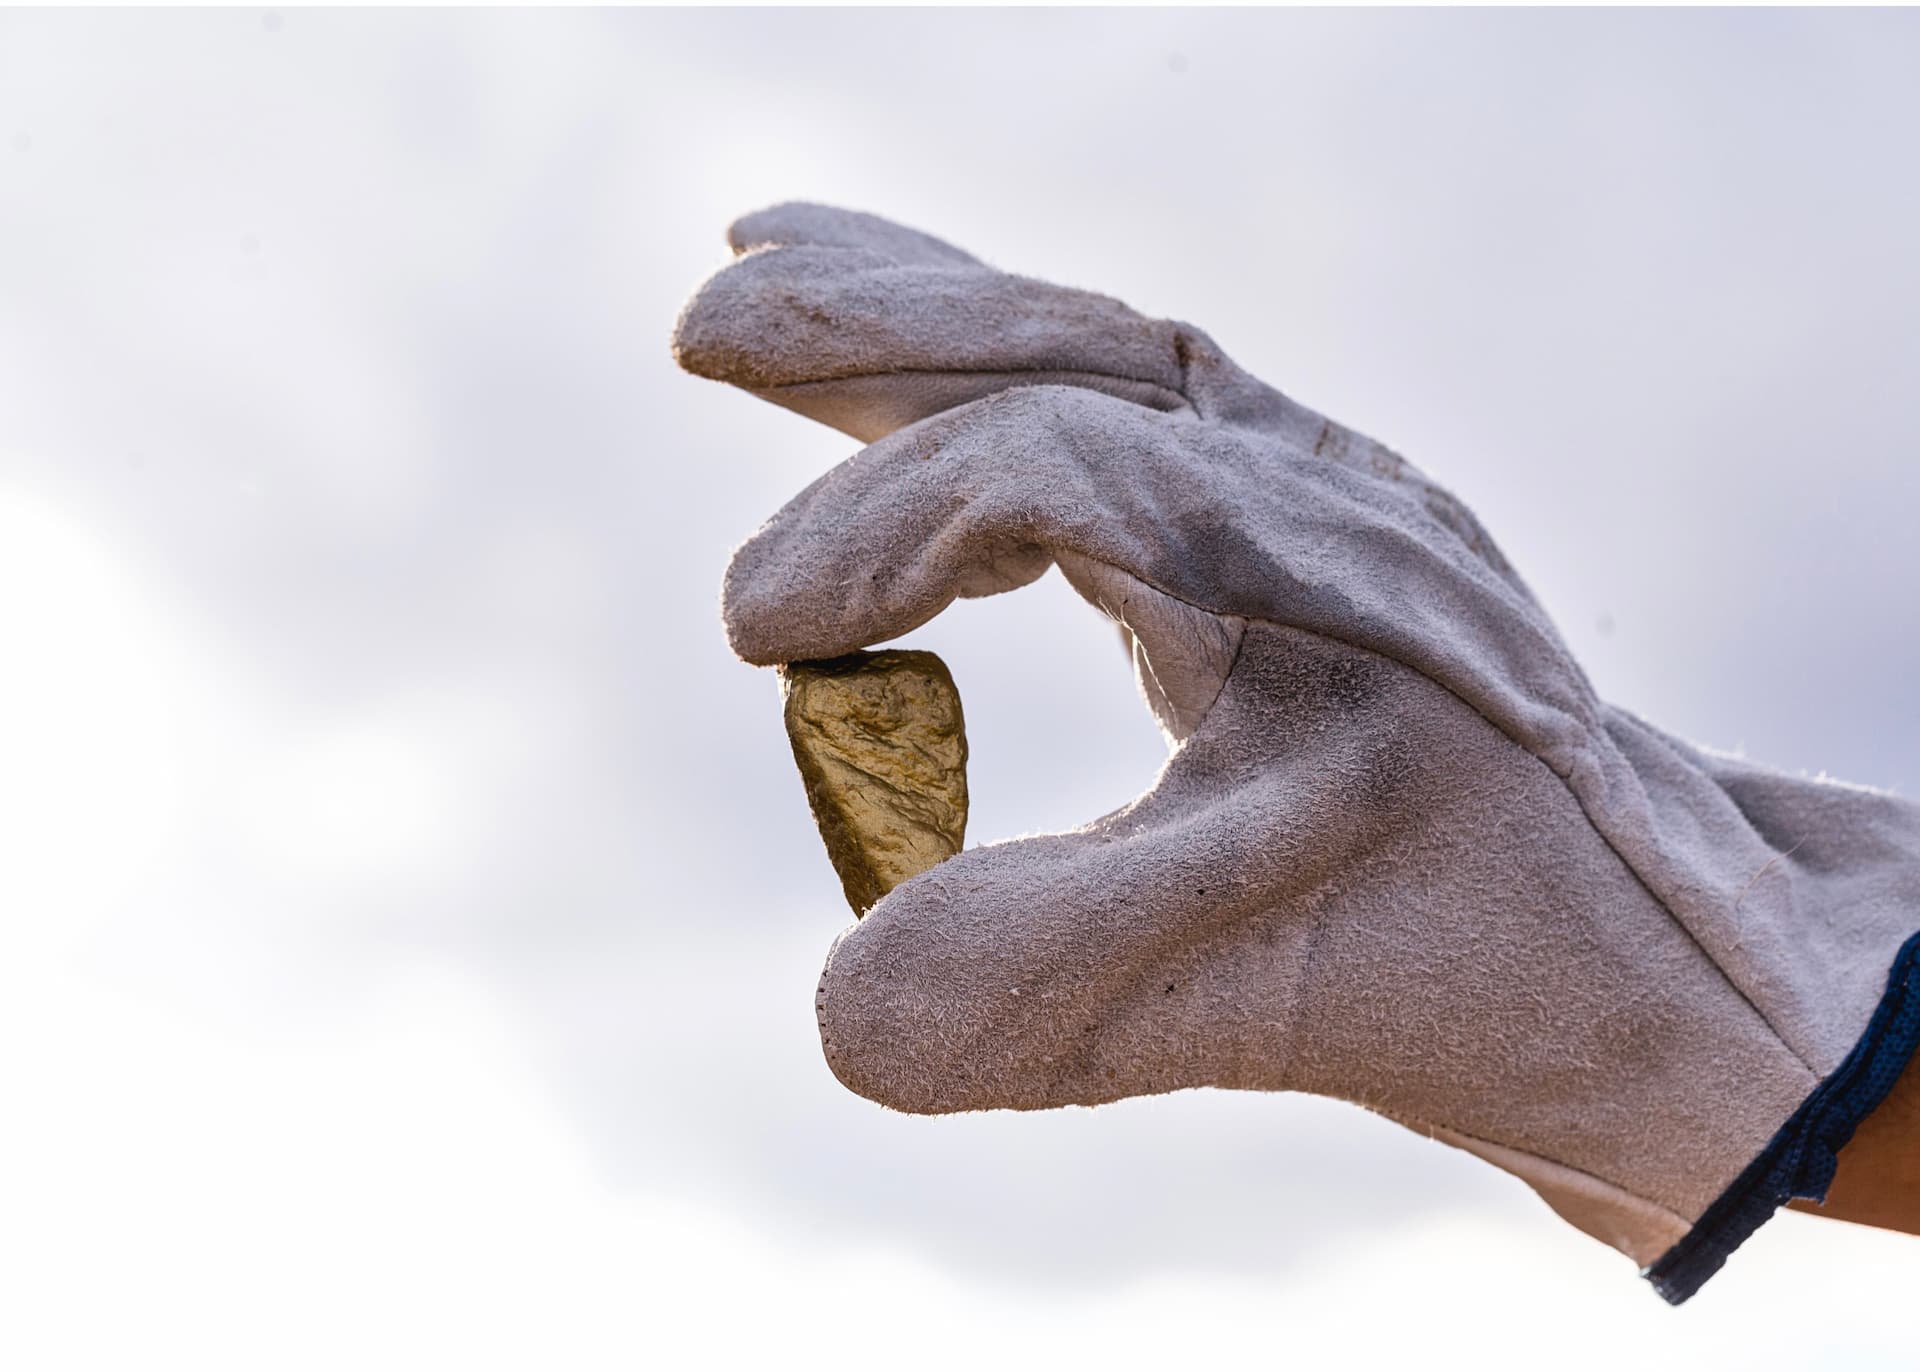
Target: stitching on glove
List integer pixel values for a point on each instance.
(1176, 399)
(1557, 1183)
(1169, 656)
(1803, 1156)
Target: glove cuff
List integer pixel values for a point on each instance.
(1801, 1158)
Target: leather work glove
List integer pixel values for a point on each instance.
(1401, 854)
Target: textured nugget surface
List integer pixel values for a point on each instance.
(882, 747)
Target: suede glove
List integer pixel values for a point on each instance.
(1400, 854)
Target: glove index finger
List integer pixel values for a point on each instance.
(971, 502)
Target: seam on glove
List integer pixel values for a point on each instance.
(1600, 1208)
(1182, 655)
(1061, 376)
(1802, 1157)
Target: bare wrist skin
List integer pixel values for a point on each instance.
(1878, 1182)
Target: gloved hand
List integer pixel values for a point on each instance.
(1401, 854)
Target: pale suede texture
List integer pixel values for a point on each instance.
(1401, 854)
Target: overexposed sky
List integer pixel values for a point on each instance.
(409, 916)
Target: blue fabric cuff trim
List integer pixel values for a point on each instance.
(1801, 1158)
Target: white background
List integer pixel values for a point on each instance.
(408, 912)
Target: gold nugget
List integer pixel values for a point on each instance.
(882, 748)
